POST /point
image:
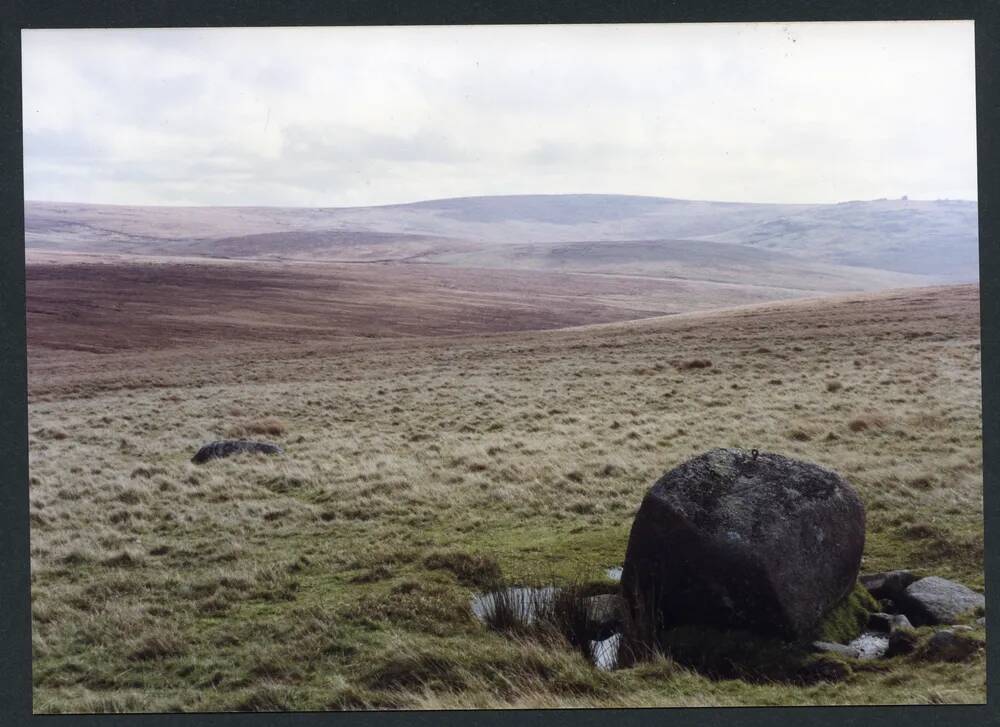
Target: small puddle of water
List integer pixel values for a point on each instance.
(871, 645)
(605, 653)
(525, 602)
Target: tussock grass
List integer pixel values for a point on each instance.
(469, 570)
(158, 646)
(868, 421)
(694, 363)
(268, 425)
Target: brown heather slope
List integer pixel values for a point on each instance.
(305, 582)
(105, 303)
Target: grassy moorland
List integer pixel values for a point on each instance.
(338, 576)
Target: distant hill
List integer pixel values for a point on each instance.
(881, 242)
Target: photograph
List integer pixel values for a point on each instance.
(503, 367)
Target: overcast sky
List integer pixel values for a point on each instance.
(811, 112)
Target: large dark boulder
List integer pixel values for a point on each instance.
(733, 540)
(935, 600)
(229, 447)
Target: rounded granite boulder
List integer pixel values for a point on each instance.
(741, 540)
(935, 600)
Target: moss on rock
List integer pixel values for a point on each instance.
(847, 618)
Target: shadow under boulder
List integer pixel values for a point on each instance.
(825, 654)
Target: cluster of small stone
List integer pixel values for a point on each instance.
(908, 602)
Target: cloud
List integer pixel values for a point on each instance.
(809, 112)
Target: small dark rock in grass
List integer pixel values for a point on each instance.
(949, 645)
(902, 641)
(695, 363)
(886, 623)
(881, 622)
(890, 584)
(935, 600)
(229, 447)
(899, 621)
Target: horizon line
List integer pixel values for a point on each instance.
(902, 198)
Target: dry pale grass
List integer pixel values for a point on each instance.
(275, 583)
(267, 425)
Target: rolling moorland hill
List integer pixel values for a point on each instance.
(466, 392)
(859, 245)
